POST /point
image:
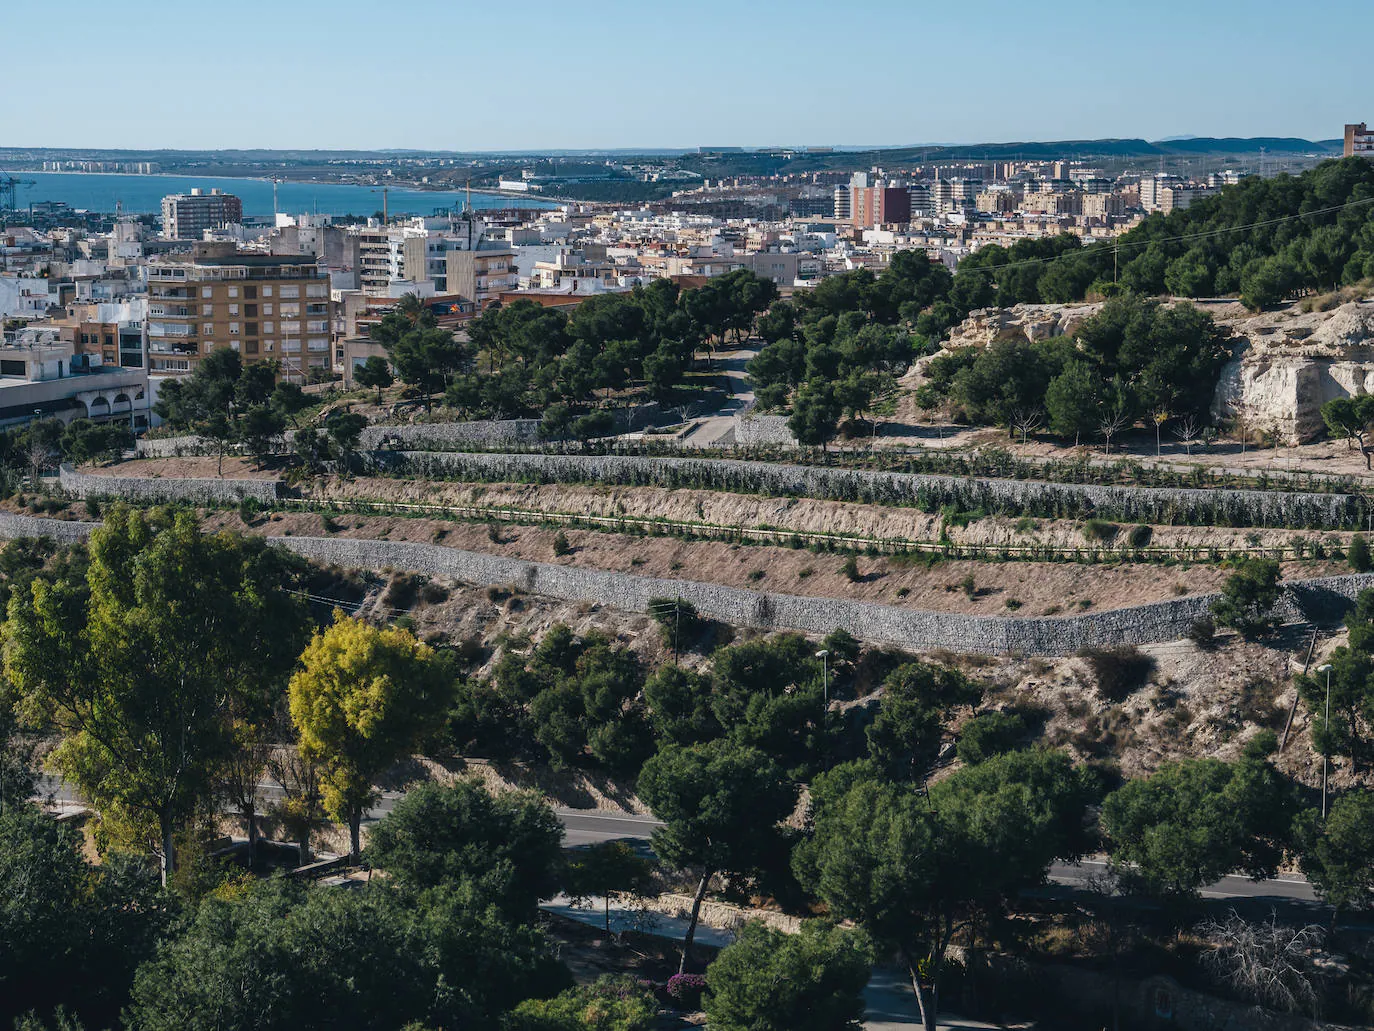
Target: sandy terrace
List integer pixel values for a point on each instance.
(1009, 588)
(801, 514)
(191, 467)
(719, 509)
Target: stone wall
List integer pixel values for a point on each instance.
(1322, 600)
(1316, 600)
(66, 531)
(763, 429)
(1217, 506)
(174, 447)
(443, 436)
(151, 488)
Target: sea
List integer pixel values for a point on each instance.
(142, 194)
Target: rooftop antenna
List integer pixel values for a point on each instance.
(468, 204)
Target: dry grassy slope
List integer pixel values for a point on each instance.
(1195, 703)
(1032, 588)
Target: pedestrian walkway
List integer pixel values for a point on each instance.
(889, 1003)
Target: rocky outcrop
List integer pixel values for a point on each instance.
(1023, 322)
(1288, 364)
(1285, 365)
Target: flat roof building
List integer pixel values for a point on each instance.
(263, 306)
(186, 216)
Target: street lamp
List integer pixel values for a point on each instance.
(1326, 726)
(824, 656)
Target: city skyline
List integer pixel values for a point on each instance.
(463, 78)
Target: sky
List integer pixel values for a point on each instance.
(535, 74)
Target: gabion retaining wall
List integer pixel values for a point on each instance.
(1215, 506)
(438, 436)
(1320, 601)
(66, 531)
(140, 488)
(763, 429)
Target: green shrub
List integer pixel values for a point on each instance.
(561, 546)
(989, 734)
(1100, 530)
(1248, 597)
(1358, 555)
(851, 569)
(1141, 535)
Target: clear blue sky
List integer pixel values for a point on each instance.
(459, 75)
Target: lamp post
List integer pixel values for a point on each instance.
(824, 656)
(1326, 726)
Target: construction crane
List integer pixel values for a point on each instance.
(8, 185)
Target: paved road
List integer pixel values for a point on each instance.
(589, 827)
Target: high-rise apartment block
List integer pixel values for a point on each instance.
(186, 216)
(263, 306)
(1359, 141)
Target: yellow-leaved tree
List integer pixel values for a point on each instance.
(363, 698)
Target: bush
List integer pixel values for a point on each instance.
(93, 508)
(561, 546)
(677, 620)
(403, 591)
(1100, 530)
(851, 569)
(1358, 555)
(1248, 597)
(989, 734)
(1141, 535)
(249, 509)
(685, 990)
(1203, 632)
(1120, 671)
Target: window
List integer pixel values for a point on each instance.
(250, 329)
(267, 327)
(317, 344)
(267, 291)
(251, 310)
(206, 291)
(290, 327)
(233, 309)
(208, 329)
(269, 346)
(317, 290)
(233, 291)
(250, 292)
(207, 310)
(290, 309)
(267, 309)
(291, 346)
(233, 328)
(250, 347)
(290, 291)
(317, 327)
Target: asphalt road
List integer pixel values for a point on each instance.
(1289, 896)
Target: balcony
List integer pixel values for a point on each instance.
(168, 329)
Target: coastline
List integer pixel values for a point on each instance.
(400, 185)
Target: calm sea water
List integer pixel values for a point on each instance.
(141, 194)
